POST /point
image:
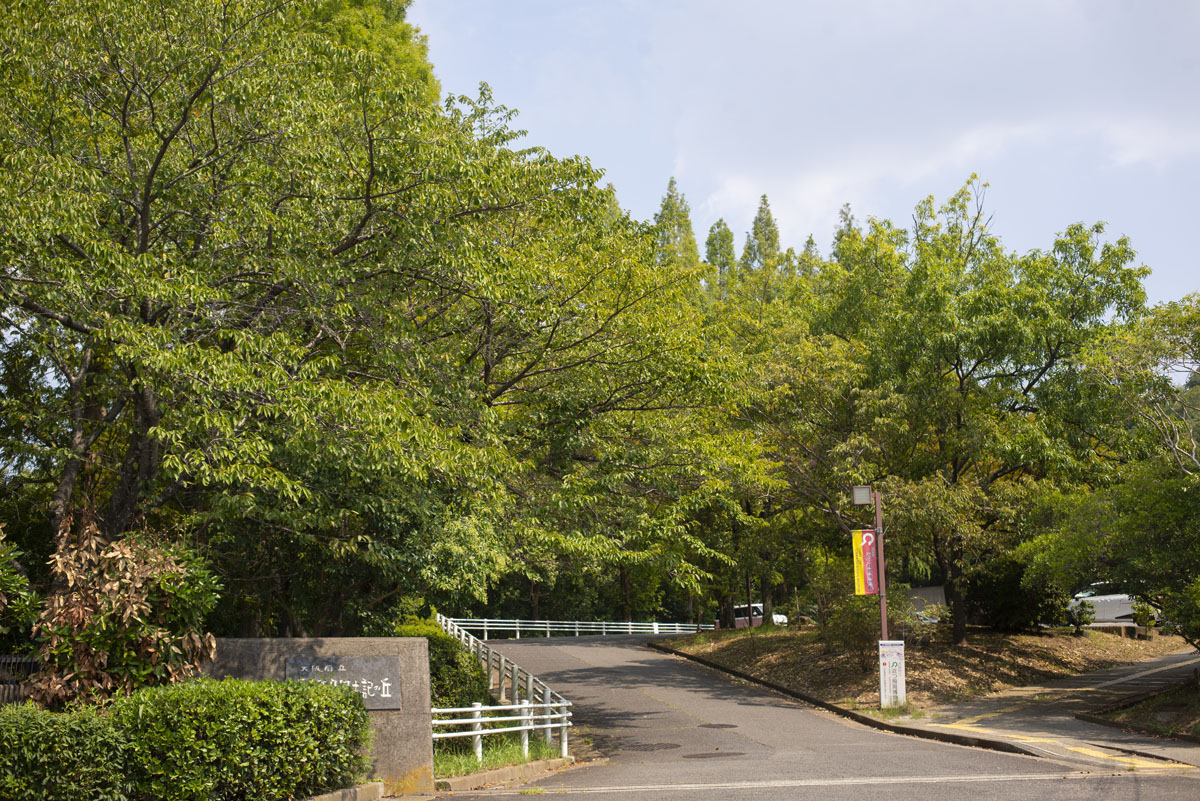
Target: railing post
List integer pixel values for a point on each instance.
(514, 693)
(547, 629)
(501, 669)
(525, 723)
(485, 628)
(518, 627)
(576, 628)
(562, 741)
(604, 627)
(476, 725)
(529, 686)
(548, 732)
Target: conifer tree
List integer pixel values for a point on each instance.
(762, 241)
(675, 240)
(719, 253)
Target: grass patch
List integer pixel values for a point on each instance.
(454, 757)
(937, 672)
(1174, 712)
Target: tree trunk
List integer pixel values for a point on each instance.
(749, 603)
(534, 598)
(768, 600)
(949, 559)
(725, 611)
(626, 595)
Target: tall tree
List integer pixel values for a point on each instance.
(674, 238)
(761, 250)
(719, 253)
(260, 293)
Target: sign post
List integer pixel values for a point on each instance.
(891, 673)
(870, 578)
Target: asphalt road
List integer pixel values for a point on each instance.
(674, 730)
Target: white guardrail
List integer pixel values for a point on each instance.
(550, 628)
(531, 704)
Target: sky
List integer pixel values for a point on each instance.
(1071, 110)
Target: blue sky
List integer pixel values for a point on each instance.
(1070, 110)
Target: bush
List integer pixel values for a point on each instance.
(456, 678)
(19, 604)
(1004, 598)
(1080, 615)
(50, 756)
(235, 739)
(128, 614)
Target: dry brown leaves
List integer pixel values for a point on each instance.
(937, 672)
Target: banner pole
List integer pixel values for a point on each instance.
(883, 627)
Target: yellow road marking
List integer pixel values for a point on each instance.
(1124, 759)
(1121, 759)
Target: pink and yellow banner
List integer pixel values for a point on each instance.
(866, 571)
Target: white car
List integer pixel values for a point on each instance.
(1109, 606)
(742, 618)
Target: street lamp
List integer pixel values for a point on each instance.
(865, 496)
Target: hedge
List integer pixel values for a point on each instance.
(456, 678)
(200, 740)
(56, 756)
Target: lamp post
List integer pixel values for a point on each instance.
(865, 496)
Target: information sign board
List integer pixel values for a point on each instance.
(372, 677)
(891, 673)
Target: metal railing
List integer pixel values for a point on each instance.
(578, 628)
(14, 671)
(530, 717)
(507, 681)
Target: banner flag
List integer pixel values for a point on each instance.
(866, 572)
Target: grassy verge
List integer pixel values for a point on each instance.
(498, 751)
(938, 672)
(1172, 713)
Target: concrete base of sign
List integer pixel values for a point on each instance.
(402, 747)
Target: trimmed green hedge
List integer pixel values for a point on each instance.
(55, 756)
(456, 678)
(196, 741)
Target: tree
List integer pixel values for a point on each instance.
(675, 241)
(260, 293)
(718, 253)
(981, 352)
(761, 250)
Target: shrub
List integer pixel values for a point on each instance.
(231, 739)
(456, 678)
(50, 756)
(1004, 597)
(127, 614)
(1080, 615)
(19, 604)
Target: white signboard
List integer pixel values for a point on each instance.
(891, 673)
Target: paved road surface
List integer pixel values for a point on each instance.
(675, 730)
(1042, 718)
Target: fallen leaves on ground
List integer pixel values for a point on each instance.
(937, 672)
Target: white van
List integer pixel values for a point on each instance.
(742, 616)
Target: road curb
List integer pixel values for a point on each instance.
(1095, 715)
(866, 720)
(505, 775)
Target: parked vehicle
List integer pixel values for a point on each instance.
(744, 616)
(1109, 605)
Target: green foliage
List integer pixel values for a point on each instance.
(854, 628)
(19, 604)
(456, 678)
(123, 615)
(231, 739)
(1079, 615)
(50, 756)
(720, 256)
(674, 238)
(1001, 596)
